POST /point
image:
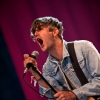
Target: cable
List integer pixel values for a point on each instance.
(34, 89)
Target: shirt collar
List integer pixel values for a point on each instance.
(65, 52)
(65, 49)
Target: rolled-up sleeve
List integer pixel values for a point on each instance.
(51, 79)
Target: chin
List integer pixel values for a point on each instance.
(44, 49)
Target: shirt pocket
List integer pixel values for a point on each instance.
(52, 71)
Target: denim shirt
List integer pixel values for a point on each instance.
(89, 61)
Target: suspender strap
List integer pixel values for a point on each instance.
(75, 64)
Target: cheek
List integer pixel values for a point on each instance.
(49, 37)
(49, 40)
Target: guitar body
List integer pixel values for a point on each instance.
(93, 98)
(90, 98)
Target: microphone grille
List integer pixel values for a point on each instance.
(35, 54)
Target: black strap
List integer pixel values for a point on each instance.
(75, 64)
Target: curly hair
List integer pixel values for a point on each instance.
(50, 22)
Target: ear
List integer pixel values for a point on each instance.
(55, 32)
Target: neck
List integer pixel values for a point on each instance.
(57, 51)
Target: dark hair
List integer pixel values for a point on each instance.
(50, 22)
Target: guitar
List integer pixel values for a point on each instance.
(92, 98)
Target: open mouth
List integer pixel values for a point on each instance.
(40, 41)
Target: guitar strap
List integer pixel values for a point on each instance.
(76, 66)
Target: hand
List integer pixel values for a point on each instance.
(27, 60)
(65, 95)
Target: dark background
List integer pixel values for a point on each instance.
(81, 21)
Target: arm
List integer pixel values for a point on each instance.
(28, 59)
(44, 88)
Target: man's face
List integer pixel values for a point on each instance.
(45, 39)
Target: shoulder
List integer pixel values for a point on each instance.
(85, 47)
(81, 43)
(84, 44)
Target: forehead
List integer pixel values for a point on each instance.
(42, 30)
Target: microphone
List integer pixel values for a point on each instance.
(34, 55)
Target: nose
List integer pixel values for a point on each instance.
(36, 34)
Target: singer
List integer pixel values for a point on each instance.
(59, 69)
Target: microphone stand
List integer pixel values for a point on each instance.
(35, 69)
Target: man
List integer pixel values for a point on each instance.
(47, 32)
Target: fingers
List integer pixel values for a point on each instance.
(26, 56)
(64, 95)
(63, 99)
(28, 59)
(59, 96)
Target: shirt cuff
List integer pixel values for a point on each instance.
(43, 90)
(79, 93)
